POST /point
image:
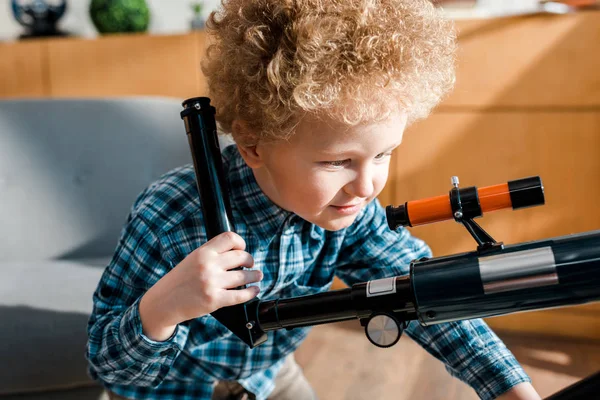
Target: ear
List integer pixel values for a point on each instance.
(249, 153)
(251, 156)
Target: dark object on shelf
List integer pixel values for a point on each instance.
(39, 17)
(120, 16)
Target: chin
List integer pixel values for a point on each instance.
(336, 224)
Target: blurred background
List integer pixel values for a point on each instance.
(527, 102)
(167, 17)
(175, 16)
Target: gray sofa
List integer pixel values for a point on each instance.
(70, 170)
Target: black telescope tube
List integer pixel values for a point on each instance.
(542, 274)
(201, 128)
(360, 301)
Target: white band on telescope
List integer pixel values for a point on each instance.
(518, 270)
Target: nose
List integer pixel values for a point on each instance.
(362, 184)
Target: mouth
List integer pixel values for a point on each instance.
(348, 205)
(348, 208)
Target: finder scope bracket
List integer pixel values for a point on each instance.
(485, 243)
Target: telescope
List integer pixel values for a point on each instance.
(494, 279)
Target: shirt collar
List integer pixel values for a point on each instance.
(263, 217)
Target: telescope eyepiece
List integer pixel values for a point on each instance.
(526, 192)
(202, 102)
(397, 216)
(198, 106)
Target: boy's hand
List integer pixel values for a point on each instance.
(522, 391)
(199, 285)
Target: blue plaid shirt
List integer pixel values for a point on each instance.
(296, 257)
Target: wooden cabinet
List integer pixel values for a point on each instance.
(116, 65)
(527, 102)
(125, 65)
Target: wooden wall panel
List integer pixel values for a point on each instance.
(119, 65)
(490, 148)
(550, 61)
(22, 72)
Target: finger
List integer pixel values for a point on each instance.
(233, 279)
(231, 297)
(226, 241)
(235, 258)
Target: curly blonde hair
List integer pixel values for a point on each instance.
(272, 62)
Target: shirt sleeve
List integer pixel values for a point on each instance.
(470, 350)
(117, 350)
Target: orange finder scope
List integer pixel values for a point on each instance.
(468, 203)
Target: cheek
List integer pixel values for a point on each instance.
(301, 189)
(319, 188)
(380, 179)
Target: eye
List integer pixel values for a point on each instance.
(381, 156)
(336, 163)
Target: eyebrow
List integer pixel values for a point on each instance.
(392, 147)
(327, 153)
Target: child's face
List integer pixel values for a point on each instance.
(326, 172)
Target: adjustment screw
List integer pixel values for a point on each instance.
(250, 325)
(197, 106)
(458, 215)
(454, 181)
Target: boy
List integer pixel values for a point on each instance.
(316, 95)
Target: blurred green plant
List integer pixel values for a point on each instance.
(198, 20)
(197, 7)
(120, 16)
